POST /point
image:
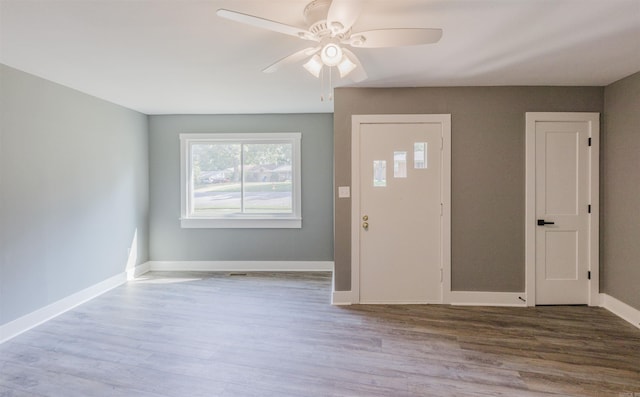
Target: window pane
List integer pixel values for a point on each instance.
(216, 193)
(267, 178)
(420, 155)
(399, 164)
(379, 173)
(216, 178)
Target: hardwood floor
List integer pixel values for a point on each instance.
(263, 334)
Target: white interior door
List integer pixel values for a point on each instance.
(400, 223)
(563, 211)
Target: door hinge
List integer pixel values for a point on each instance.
(441, 209)
(589, 208)
(589, 275)
(589, 141)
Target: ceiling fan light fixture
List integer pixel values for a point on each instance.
(346, 66)
(331, 54)
(329, 25)
(314, 65)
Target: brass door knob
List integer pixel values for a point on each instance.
(365, 218)
(365, 225)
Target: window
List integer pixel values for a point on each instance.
(379, 173)
(240, 180)
(420, 155)
(399, 164)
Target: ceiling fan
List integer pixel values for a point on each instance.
(330, 23)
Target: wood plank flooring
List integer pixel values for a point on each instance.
(275, 334)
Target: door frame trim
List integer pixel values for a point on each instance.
(445, 121)
(530, 199)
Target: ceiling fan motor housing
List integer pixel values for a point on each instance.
(315, 14)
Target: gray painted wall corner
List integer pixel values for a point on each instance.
(73, 191)
(620, 221)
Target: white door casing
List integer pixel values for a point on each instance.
(561, 224)
(403, 255)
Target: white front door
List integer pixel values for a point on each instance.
(563, 210)
(399, 219)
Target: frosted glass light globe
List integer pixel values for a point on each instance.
(331, 54)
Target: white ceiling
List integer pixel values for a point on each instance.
(178, 57)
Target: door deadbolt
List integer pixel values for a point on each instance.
(365, 218)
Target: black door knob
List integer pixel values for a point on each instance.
(541, 222)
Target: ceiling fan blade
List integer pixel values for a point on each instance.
(394, 37)
(265, 24)
(358, 74)
(343, 14)
(295, 57)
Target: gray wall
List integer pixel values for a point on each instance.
(314, 242)
(620, 227)
(73, 191)
(488, 170)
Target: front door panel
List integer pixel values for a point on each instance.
(400, 212)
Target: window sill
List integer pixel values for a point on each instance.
(241, 223)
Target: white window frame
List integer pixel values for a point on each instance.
(238, 220)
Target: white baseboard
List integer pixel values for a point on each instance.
(33, 319)
(620, 309)
(138, 271)
(242, 266)
(399, 302)
(478, 298)
(341, 298)
(462, 298)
